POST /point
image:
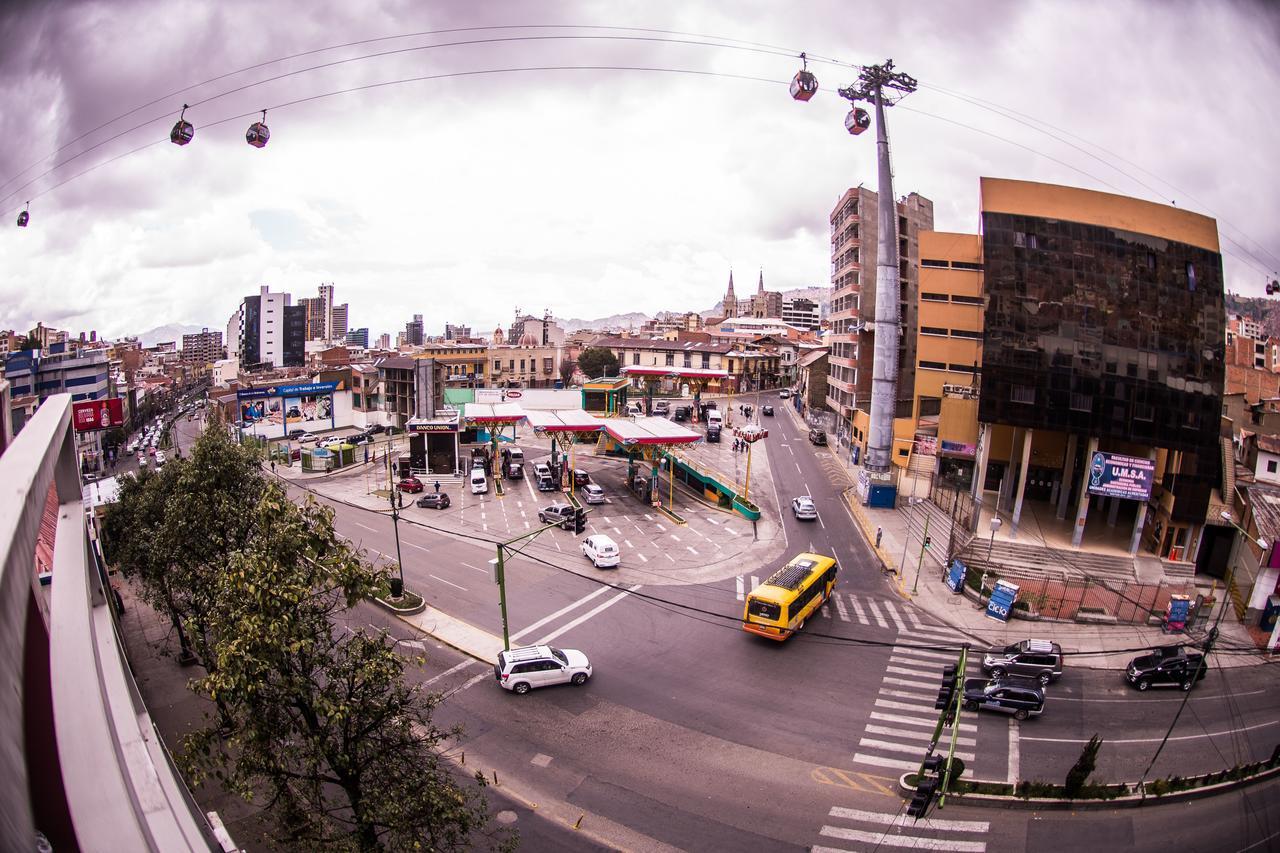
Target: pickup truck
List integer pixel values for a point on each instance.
(1168, 666)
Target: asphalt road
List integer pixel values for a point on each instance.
(695, 735)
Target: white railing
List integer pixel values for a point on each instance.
(72, 723)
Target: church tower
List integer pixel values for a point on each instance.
(730, 301)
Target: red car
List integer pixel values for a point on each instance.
(412, 485)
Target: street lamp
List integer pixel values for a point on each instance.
(995, 525)
(397, 584)
(1260, 541)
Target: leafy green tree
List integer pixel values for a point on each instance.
(324, 724)
(595, 362)
(566, 371)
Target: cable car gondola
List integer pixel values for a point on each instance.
(804, 84)
(857, 120)
(258, 134)
(182, 131)
(1273, 287)
(24, 217)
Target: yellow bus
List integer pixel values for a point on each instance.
(779, 607)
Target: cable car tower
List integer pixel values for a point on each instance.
(881, 86)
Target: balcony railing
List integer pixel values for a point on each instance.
(80, 759)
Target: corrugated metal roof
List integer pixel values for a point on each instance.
(1265, 502)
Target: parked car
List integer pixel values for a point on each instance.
(818, 437)
(331, 441)
(593, 494)
(306, 438)
(1168, 666)
(542, 472)
(804, 508)
(634, 410)
(412, 485)
(142, 461)
(375, 429)
(521, 669)
(557, 513)
(580, 478)
(661, 408)
(766, 410)
(515, 471)
(434, 500)
(479, 481)
(681, 413)
(601, 551)
(1021, 697)
(297, 433)
(784, 393)
(1038, 659)
(713, 434)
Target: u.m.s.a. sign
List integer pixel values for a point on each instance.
(1115, 476)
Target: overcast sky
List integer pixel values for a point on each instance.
(589, 192)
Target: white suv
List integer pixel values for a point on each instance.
(601, 551)
(520, 670)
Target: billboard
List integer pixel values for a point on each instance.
(306, 406)
(1116, 476)
(91, 415)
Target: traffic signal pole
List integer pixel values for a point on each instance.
(950, 698)
(500, 573)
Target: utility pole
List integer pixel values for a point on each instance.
(877, 85)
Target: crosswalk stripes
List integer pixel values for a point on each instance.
(888, 831)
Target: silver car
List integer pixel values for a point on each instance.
(593, 494)
(804, 508)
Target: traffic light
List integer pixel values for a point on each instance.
(926, 786)
(927, 541)
(579, 520)
(947, 693)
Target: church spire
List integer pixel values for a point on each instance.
(730, 292)
(760, 289)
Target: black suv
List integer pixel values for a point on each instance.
(1022, 697)
(817, 436)
(713, 434)
(1038, 659)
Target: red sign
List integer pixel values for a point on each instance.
(513, 395)
(90, 415)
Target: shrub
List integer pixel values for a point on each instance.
(1028, 789)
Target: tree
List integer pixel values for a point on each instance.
(566, 372)
(1079, 772)
(595, 362)
(346, 751)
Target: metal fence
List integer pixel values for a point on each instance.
(956, 504)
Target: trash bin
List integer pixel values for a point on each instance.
(1270, 613)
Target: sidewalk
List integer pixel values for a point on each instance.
(921, 582)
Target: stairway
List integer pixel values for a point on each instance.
(940, 533)
(1034, 560)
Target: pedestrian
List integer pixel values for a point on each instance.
(437, 487)
(273, 466)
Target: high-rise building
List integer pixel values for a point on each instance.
(358, 338)
(204, 347)
(413, 331)
(267, 330)
(456, 333)
(338, 322)
(853, 297)
(384, 340)
(801, 313)
(317, 318)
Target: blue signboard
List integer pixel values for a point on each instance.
(1179, 608)
(287, 390)
(955, 576)
(1116, 476)
(1001, 601)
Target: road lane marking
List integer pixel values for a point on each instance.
(691, 551)
(643, 558)
(875, 611)
(1221, 733)
(737, 582)
(450, 671)
(924, 736)
(450, 583)
(365, 526)
(675, 537)
(923, 653)
(908, 748)
(883, 839)
(900, 818)
(844, 614)
(755, 582)
(896, 763)
(857, 608)
(563, 610)
(627, 542)
(927, 722)
(473, 568)
(1014, 756)
(585, 616)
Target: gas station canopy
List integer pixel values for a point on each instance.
(493, 413)
(649, 431)
(563, 420)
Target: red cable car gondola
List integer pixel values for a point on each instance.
(24, 217)
(182, 131)
(258, 134)
(857, 120)
(1273, 287)
(804, 84)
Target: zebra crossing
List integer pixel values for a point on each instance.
(858, 829)
(851, 607)
(902, 719)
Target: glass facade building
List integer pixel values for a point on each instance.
(1102, 332)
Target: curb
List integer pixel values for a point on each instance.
(1128, 801)
(400, 611)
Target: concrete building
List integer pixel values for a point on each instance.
(802, 313)
(413, 335)
(811, 380)
(456, 333)
(317, 318)
(853, 276)
(266, 330)
(338, 322)
(384, 340)
(358, 338)
(203, 347)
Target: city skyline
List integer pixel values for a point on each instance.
(570, 188)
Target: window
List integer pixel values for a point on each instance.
(934, 297)
(966, 300)
(1271, 466)
(635, 358)
(511, 364)
(1191, 276)
(706, 361)
(688, 362)
(1081, 402)
(933, 365)
(930, 406)
(671, 359)
(965, 265)
(1023, 394)
(933, 262)
(933, 330)
(966, 333)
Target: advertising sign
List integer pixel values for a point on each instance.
(1115, 476)
(91, 415)
(1001, 601)
(927, 445)
(955, 576)
(958, 448)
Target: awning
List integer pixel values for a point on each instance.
(493, 413)
(681, 372)
(649, 431)
(563, 420)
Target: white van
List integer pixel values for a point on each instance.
(715, 419)
(479, 482)
(634, 410)
(601, 551)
